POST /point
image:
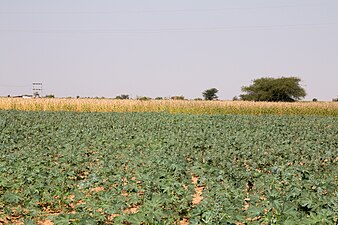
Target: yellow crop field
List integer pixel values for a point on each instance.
(171, 106)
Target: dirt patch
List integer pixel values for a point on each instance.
(124, 193)
(131, 210)
(185, 221)
(45, 222)
(12, 220)
(97, 189)
(197, 197)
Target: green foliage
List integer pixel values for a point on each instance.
(284, 89)
(235, 98)
(210, 94)
(123, 96)
(91, 168)
(143, 98)
(50, 96)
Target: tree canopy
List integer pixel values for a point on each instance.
(123, 96)
(210, 94)
(284, 89)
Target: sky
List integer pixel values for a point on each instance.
(166, 48)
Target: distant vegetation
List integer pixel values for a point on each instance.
(123, 96)
(210, 94)
(143, 98)
(284, 89)
(265, 89)
(50, 96)
(181, 97)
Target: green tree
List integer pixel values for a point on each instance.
(123, 96)
(284, 89)
(210, 94)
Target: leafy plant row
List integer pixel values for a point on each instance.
(145, 168)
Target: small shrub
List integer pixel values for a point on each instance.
(123, 96)
(181, 97)
(143, 98)
(235, 98)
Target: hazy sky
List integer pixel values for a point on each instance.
(165, 48)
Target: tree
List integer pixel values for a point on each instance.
(284, 89)
(210, 94)
(143, 98)
(123, 96)
(50, 96)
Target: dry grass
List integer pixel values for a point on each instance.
(171, 106)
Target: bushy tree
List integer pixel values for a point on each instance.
(210, 94)
(284, 89)
(123, 96)
(143, 98)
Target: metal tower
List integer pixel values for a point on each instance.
(37, 90)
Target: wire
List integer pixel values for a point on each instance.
(168, 29)
(160, 11)
(14, 86)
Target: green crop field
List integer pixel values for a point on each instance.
(159, 168)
